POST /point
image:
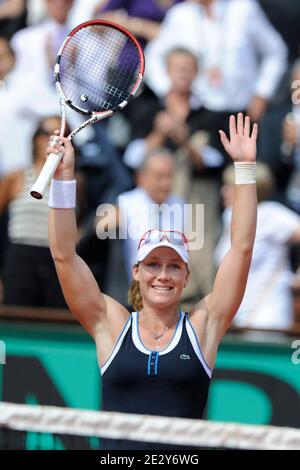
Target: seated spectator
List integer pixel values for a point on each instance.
(29, 276)
(268, 299)
(141, 18)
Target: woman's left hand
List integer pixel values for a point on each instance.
(242, 144)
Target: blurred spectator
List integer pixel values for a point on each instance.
(291, 141)
(15, 127)
(142, 18)
(36, 46)
(178, 122)
(242, 57)
(12, 16)
(173, 119)
(147, 206)
(268, 299)
(29, 276)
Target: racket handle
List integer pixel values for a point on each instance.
(45, 176)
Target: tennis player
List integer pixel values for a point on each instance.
(157, 360)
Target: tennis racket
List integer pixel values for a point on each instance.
(99, 67)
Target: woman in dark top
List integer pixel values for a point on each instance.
(157, 360)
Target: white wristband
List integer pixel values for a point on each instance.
(62, 194)
(245, 172)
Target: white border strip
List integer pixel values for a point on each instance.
(141, 347)
(188, 432)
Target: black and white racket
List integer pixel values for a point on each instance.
(99, 67)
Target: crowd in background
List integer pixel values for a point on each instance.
(205, 59)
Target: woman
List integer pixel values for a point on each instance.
(151, 361)
(29, 275)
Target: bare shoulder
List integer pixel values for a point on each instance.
(114, 320)
(110, 328)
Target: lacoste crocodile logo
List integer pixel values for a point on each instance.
(184, 356)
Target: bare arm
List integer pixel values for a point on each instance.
(230, 284)
(79, 286)
(142, 27)
(4, 194)
(10, 186)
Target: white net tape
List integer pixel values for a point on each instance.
(146, 428)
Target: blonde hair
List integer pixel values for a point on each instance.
(134, 295)
(264, 180)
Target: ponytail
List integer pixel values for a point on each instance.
(134, 296)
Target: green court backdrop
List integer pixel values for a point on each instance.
(255, 380)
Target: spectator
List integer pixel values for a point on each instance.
(291, 142)
(23, 101)
(36, 46)
(29, 275)
(141, 18)
(228, 36)
(268, 299)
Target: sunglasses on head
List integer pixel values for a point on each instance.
(156, 236)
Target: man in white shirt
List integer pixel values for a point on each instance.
(242, 57)
(36, 47)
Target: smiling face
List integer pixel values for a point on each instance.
(162, 276)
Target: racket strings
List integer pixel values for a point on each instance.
(99, 68)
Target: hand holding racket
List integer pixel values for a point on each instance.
(63, 147)
(99, 67)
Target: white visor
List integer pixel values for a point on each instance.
(146, 248)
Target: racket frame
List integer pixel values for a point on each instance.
(38, 189)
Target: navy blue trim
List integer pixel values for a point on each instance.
(187, 317)
(130, 317)
(152, 364)
(151, 350)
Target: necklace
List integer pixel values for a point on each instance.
(157, 336)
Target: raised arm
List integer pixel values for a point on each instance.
(79, 286)
(230, 284)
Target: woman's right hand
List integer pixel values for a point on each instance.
(65, 169)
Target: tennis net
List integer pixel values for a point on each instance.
(49, 428)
